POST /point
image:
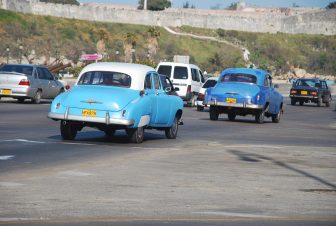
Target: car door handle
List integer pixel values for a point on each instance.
(157, 94)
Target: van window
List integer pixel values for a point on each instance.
(165, 70)
(180, 73)
(202, 77)
(194, 75)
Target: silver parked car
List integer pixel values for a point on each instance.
(26, 81)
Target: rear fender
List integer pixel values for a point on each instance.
(139, 110)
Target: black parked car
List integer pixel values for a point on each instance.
(310, 91)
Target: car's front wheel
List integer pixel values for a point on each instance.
(37, 97)
(171, 132)
(260, 116)
(328, 102)
(214, 114)
(319, 101)
(301, 103)
(231, 116)
(109, 132)
(136, 135)
(200, 108)
(68, 130)
(276, 117)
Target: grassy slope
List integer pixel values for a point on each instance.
(51, 36)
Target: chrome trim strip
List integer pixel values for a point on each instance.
(237, 105)
(106, 120)
(312, 97)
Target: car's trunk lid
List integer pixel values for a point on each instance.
(99, 97)
(238, 89)
(11, 79)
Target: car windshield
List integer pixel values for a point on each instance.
(27, 70)
(106, 78)
(210, 83)
(307, 83)
(239, 77)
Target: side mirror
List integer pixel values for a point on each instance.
(176, 89)
(168, 89)
(276, 86)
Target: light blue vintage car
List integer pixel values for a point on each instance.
(243, 91)
(113, 96)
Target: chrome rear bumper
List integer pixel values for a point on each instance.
(235, 105)
(107, 120)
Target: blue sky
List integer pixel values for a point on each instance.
(224, 3)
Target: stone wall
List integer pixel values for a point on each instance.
(314, 22)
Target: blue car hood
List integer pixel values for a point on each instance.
(99, 97)
(235, 88)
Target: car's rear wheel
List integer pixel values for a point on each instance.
(301, 103)
(200, 108)
(260, 116)
(231, 116)
(276, 117)
(319, 101)
(293, 102)
(37, 97)
(171, 132)
(213, 113)
(328, 102)
(136, 135)
(68, 130)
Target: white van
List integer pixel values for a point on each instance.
(187, 77)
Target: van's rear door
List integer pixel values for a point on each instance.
(181, 80)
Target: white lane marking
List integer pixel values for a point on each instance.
(75, 173)
(232, 214)
(10, 184)
(73, 143)
(6, 157)
(4, 219)
(24, 140)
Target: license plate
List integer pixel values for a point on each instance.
(89, 113)
(6, 92)
(231, 100)
(304, 93)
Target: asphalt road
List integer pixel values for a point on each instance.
(214, 173)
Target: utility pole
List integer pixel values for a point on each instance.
(145, 4)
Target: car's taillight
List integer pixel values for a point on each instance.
(67, 87)
(24, 82)
(314, 93)
(58, 105)
(293, 91)
(142, 92)
(200, 96)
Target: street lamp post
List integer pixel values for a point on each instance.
(145, 5)
(133, 55)
(21, 49)
(117, 55)
(7, 51)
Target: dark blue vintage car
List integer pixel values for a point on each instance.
(243, 91)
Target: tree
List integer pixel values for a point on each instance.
(70, 2)
(332, 5)
(187, 5)
(155, 5)
(233, 6)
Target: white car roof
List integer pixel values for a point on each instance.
(177, 64)
(136, 71)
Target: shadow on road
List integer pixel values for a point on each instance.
(243, 156)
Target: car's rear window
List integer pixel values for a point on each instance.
(180, 72)
(210, 83)
(106, 78)
(239, 77)
(165, 70)
(308, 83)
(27, 70)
